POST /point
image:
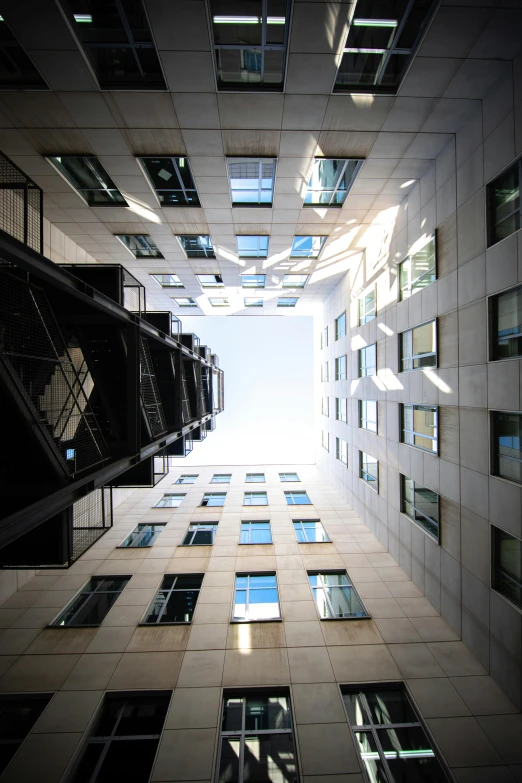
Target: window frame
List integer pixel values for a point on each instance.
(324, 337)
(254, 522)
(288, 282)
(325, 406)
(363, 316)
(375, 486)
(411, 288)
(496, 566)
(338, 335)
(365, 418)
(416, 510)
(186, 475)
(363, 368)
(335, 572)
(182, 188)
(325, 441)
(296, 522)
(176, 284)
(170, 495)
(107, 184)
(135, 529)
(494, 449)
(493, 316)
(148, 243)
(54, 623)
(490, 225)
(204, 250)
(339, 442)
(287, 301)
(343, 169)
(263, 494)
(257, 283)
(312, 253)
(338, 409)
(245, 159)
(250, 478)
(157, 623)
(206, 495)
(290, 492)
(194, 528)
(340, 374)
(238, 620)
(287, 481)
(222, 475)
(402, 429)
(416, 357)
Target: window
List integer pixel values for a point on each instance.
(325, 406)
(307, 247)
(289, 477)
(341, 450)
(222, 302)
(340, 326)
(175, 601)
(171, 180)
(369, 470)
(140, 245)
(253, 302)
(330, 181)
(368, 361)
(367, 311)
(168, 281)
(368, 415)
(256, 478)
(249, 246)
(251, 181)
(255, 533)
(90, 180)
(378, 51)
(256, 738)
(255, 499)
(324, 338)
(418, 347)
(417, 270)
(325, 440)
(507, 565)
(187, 478)
(507, 449)
(297, 499)
(341, 409)
(340, 368)
(91, 605)
(221, 478)
(324, 372)
(335, 596)
(287, 301)
(256, 598)
(250, 48)
(391, 741)
(253, 281)
(506, 324)
(295, 281)
(196, 246)
(214, 499)
(421, 505)
(169, 500)
(144, 534)
(210, 281)
(503, 197)
(124, 739)
(16, 68)
(185, 301)
(200, 534)
(419, 426)
(310, 531)
(18, 714)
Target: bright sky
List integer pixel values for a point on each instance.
(269, 390)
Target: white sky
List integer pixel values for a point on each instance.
(269, 390)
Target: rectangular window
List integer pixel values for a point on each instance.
(503, 198)
(369, 470)
(324, 372)
(418, 347)
(289, 477)
(287, 301)
(200, 534)
(171, 180)
(169, 500)
(168, 281)
(324, 338)
(421, 505)
(341, 450)
(506, 324)
(123, 742)
(221, 478)
(214, 499)
(255, 478)
(219, 302)
(196, 246)
(297, 499)
(367, 307)
(185, 301)
(256, 741)
(175, 601)
(418, 269)
(91, 605)
(256, 598)
(87, 176)
(255, 499)
(140, 245)
(368, 415)
(253, 281)
(210, 281)
(507, 565)
(253, 302)
(341, 409)
(391, 741)
(340, 326)
(325, 440)
(419, 426)
(330, 181)
(310, 531)
(325, 406)
(18, 714)
(143, 535)
(251, 181)
(335, 596)
(255, 533)
(295, 281)
(506, 445)
(340, 368)
(187, 478)
(307, 247)
(368, 361)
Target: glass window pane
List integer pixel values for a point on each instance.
(507, 324)
(409, 754)
(270, 758)
(390, 706)
(369, 754)
(229, 760)
(507, 565)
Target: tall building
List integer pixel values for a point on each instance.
(358, 162)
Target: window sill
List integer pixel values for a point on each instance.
(344, 619)
(250, 622)
(507, 600)
(161, 625)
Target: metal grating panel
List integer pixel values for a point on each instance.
(21, 203)
(92, 517)
(150, 396)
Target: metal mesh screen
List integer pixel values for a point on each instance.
(133, 293)
(150, 393)
(92, 517)
(20, 205)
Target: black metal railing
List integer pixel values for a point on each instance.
(150, 396)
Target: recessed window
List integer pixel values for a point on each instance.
(124, 738)
(145, 534)
(324, 338)
(418, 269)
(419, 426)
(253, 302)
(187, 478)
(307, 247)
(507, 565)
(330, 181)
(504, 204)
(368, 361)
(175, 601)
(418, 347)
(91, 605)
(255, 478)
(255, 499)
(506, 324)
(297, 499)
(391, 741)
(90, 180)
(196, 246)
(325, 406)
(210, 281)
(422, 505)
(200, 534)
(369, 470)
(325, 440)
(340, 326)
(221, 478)
(253, 281)
(16, 69)
(169, 500)
(219, 302)
(251, 181)
(214, 499)
(185, 301)
(335, 596)
(368, 415)
(249, 246)
(255, 533)
(289, 477)
(168, 281)
(367, 307)
(256, 598)
(287, 301)
(341, 409)
(324, 372)
(310, 531)
(341, 451)
(295, 281)
(340, 368)
(18, 714)
(171, 180)
(506, 445)
(140, 245)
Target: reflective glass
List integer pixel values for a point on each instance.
(197, 246)
(340, 326)
(253, 247)
(171, 180)
(507, 565)
(140, 245)
(507, 324)
(255, 533)
(89, 178)
(419, 426)
(269, 758)
(143, 535)
(504, 195)
(92, 604)
(297, 498)
(251, 180)
(330, 181)
(368, 361)
(310, 531)
(307, 247)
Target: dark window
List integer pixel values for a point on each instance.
(18, 714)
(171, 180)
(418, 347)
(196, 246)
(506, 324)
(419, 426)
(175, 601)
(88, 177)
(256, 598)
(91, 605)
(16, 69)
(255, 533)
(140, 245)
(506, 443)
(418, 269)
(200, 534)
(307, 247)
(369, 470)
(331, 181)
(310, 531)
(368, 361)
(144, 534)
(507, 565)
(504, 204)
(251, 181)
(335, 596)
(422, 505)
(368, 415)
(340, 326)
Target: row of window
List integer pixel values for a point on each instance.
(188, 301)
(173, 500)
(224, 478)
(256, 740)
(290, 280)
